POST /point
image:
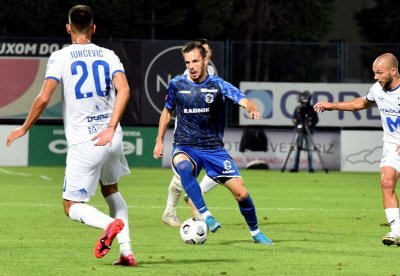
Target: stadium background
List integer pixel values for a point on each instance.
(275, 69)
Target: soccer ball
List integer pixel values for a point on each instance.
(194, 231)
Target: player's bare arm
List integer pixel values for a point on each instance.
(251, 108)
(165, 118)
(38, 105)
(352, 105)
(121, 100)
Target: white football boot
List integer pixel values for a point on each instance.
(171, 219)
(391, 238)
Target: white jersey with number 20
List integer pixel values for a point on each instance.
(86, 72)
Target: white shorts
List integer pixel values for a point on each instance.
(390, 157)
(87, 164)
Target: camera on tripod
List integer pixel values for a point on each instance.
(302, 114)
(305, 118)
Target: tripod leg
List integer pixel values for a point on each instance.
(287, 158)
(316, 149)
(290, 150)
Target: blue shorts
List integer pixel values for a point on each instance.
(217, 162)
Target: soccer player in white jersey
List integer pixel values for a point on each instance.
(92, 110)
(175, 186)
(385, 93)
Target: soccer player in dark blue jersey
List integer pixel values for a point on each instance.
(175, 187)
(199, 102)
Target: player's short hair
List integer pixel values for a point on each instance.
(203, 41)
(81, 18)
(190, 46)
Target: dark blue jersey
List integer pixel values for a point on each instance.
(200, 110)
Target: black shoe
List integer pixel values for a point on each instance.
(293, 170)
(311, 171)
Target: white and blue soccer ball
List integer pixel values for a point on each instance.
(194, 231)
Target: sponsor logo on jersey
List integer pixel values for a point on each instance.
(229, 171)
(386, 110)
(96, 128)
(184, 91)
(97, 118)
(208, 90)
(393, 125)
(196, 110)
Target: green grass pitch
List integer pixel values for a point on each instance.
(322, 224)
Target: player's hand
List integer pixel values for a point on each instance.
(104, 137)
(15, 134)
(158, 151)
(255, 115)
(321, 107)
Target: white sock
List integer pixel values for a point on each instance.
(174, 193)
(255, 232)
(206, 214)
(119, 209)
(89, 215)
(207, 184)
(393, 219)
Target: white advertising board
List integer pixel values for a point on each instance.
(17, 153)
(361, 150)
(277, 101)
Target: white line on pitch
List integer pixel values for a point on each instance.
(45, 177)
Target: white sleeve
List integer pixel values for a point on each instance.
(116, 64)
(370, 94)
(54, 67)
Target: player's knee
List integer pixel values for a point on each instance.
(242, 195)
(184, 168)
(387, 183)
(107, 190)
(67, 204)
(176, 184)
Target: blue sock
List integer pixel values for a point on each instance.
(248, 211)
(191, 185)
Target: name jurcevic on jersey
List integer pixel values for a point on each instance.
(86, 53)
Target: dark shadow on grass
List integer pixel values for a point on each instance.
(167, 261)
(266, 223)
(233, 242)
(236, 242)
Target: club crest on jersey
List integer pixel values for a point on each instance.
(228, 167)
(209, 98)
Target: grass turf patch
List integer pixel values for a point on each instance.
(321, 224)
